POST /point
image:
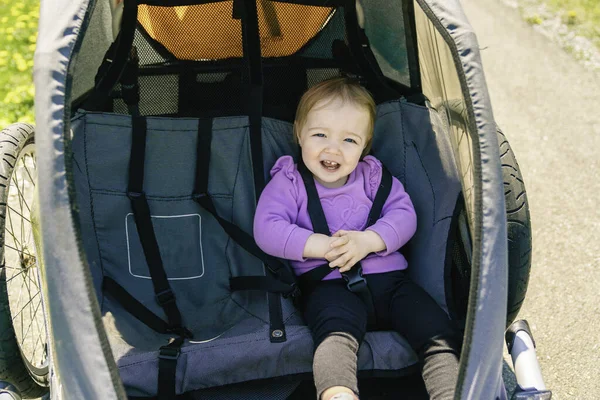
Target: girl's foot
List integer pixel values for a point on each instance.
(343, 396)
(339, 393)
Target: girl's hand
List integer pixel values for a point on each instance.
(352, 246)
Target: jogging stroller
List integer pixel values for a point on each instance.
(129, 270)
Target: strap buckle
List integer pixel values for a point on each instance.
(169, 352)
(165, 297)
(355, 282)
(293, 293)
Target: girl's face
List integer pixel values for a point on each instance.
(332, 140)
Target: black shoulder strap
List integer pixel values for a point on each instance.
(279, 279)
(114, 61)
(315, 210)
(354, 278)
(385, 186)
(168, 354)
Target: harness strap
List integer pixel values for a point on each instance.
(141, 214)
(168, 355)
(355, 281)
(138, 310)
(167, 368)
(282, 281)
(115, 59)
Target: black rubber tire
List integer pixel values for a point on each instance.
(518, 226)
(13, 368)
(518, 223)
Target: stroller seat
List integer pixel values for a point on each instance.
(231, 330)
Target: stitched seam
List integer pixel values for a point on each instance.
(442, 219)
(248, 311)
(188, 350)
(87, 170)
(102, 124)
(117, 193)
(403, 172)
(428, 179)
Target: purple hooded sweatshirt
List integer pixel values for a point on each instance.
(282, 224)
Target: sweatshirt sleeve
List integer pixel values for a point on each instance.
(398, 221)
(275, 228)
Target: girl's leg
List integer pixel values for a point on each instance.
(410, 311)
(334, 366)
(337, 319)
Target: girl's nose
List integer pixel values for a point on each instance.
(332, 147)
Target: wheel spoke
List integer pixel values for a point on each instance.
(19, 190)
(15, 275)
(32, 317)
(28, 173)
(12, 231)
(20, 251)
(29, 302)
(20, 215)
(20, 261)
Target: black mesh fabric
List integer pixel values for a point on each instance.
(173, 83)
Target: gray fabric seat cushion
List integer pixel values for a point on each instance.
(231, 342)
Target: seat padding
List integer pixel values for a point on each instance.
(231, 342)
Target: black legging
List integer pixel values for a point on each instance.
(400, 305)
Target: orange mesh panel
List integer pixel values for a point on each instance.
(208, 31)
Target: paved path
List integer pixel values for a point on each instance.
(549, 107)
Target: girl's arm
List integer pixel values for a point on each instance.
(317, 246)
(275, 228)
(398, 221)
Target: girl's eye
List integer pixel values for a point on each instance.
(350, 140)
(319, 135)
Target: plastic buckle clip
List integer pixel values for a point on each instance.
(169, 353)
(165, 297)
(355, 282)
(293, 293)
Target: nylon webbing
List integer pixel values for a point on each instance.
(363, 55)
(254, 96)
(167, 368)
(141, 214)
(168, 355)
(115, 59)
(137, 309)
(285, 282)
(354, 278)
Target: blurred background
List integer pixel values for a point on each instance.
(18, 31)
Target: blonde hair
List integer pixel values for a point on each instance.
(344, 89)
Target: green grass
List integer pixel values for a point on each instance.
(582, 15)
(18, 31)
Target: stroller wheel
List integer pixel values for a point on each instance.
(518, 225)
(23, 333)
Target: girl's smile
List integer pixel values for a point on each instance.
(332, 140)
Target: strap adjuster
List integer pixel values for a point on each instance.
(165, 297)
(169, 352)
(355, 282)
